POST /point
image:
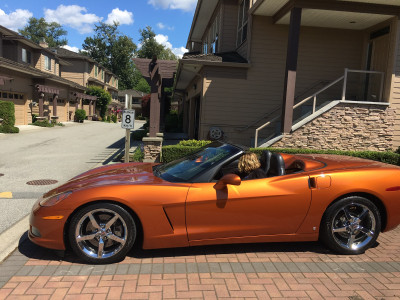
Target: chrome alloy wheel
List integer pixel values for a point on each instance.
(101, 233)
(353, 226)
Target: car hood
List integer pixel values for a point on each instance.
(120, 174)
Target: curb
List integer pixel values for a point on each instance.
(12, 237)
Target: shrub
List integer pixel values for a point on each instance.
(8, 129)
(108, 119)
(80, 115)
(7, 113)
(138, 135)
(103, 99)
(140, 117)
(34, 118)
(44, 123)
(194, 143)
(170, 153)
(114, 118)
(137, 156)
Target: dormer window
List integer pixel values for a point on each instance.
(26, 56)
(96, 71)
(47, 63)
(243, 18)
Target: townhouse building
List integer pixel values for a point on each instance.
(294, 73)
(32, 76)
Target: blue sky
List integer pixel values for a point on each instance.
(170, 19)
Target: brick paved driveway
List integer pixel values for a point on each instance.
(263, 271)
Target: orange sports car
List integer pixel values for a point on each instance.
(200, 200)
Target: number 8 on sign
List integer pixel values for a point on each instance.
(128, 117)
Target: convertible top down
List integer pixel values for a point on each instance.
(200, 200)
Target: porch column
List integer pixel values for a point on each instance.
(82, 103)
(41, 100)
(155, 98)
(77, 104)
(94, 107)
(90, 107)
(291, 70)
(55, 98)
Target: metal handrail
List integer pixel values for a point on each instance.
(314, 96)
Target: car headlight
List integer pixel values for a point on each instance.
(53, 200)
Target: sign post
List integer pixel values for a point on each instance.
(128, 123)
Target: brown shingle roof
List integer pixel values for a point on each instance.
(10, 64)
(218, 57)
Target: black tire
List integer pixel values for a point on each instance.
(351, 225)
(102, 233)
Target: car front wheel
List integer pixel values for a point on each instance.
(102, 233)
(351, 225)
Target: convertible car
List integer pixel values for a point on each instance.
(200, 200)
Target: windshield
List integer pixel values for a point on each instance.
(187, 168)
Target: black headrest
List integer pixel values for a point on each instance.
(265, 160)
(277, 165)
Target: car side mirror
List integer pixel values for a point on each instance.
(231, 179)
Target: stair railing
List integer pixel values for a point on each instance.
(314, 96)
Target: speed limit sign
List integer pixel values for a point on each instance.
(128, 119)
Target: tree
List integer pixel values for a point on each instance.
(143, 86)
(38, 30)
(114, 51)
(103, 99)
(151, 47)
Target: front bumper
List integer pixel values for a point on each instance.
(48, 233)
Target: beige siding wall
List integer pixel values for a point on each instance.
(236, 102)
(395, 91)
(75, 73)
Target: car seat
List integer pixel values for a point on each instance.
(265, 160)
(276, 165)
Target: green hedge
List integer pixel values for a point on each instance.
(44, 123)
(8, 129)
(170, 153)
(7, 113)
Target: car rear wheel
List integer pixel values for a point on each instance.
(102, 233)
(351, 225)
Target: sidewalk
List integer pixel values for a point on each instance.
(254, 271)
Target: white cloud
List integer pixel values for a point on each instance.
(164, 26)
(74, 16)
(163, 40)
(73, 49)
(16, 19)
(123, 17)
(185, 5)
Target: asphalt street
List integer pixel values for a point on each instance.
(58, 154)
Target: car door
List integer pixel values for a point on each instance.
(258, 207)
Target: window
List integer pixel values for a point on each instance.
(243, 18)
(26, 56)
(96, 71)
(214, 35)
(102, 74)
(47, 63)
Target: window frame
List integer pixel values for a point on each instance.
(26, 56)
(243, 20)
(47, 63)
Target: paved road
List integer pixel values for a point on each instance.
(57, 153)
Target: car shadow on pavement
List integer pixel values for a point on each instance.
(32, 251)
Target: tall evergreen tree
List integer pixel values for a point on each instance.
(38, 30)
(114, 51)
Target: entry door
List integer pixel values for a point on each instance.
(379, 62)
(268, 206)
